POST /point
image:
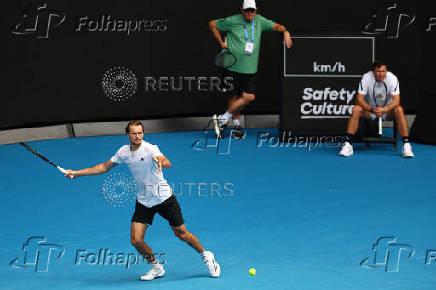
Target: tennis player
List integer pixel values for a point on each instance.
(145, 161)
(366, 107)
(243, 40)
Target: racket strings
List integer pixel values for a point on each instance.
(380, 94)
(225, 59)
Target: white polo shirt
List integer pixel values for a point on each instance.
(153, 189)
(366, 87)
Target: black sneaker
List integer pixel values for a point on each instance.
(220, 126)
(238, 133)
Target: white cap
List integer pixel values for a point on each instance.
(249, 4)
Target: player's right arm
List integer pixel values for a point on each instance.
(363, 90)
(97, 169)
(361, 102)
(217, 34)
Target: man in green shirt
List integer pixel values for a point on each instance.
(243, 41)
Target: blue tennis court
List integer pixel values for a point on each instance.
(303, 219)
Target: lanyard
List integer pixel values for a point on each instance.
(252, 31)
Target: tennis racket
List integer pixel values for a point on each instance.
(225, 59)
(42, 157)
(380, 95)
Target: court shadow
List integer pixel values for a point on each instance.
(118, 280)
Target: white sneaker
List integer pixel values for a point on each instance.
(407, 151)
(220, 124)
(347, 150)
(156, 271)
(214, 267)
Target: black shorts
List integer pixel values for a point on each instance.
(169, 210)
(241, 82)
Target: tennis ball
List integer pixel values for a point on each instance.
(252, 272)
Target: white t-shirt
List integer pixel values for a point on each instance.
(153, 189)
(366, 87)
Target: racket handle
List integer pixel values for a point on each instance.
(64, 171)
(380, 126)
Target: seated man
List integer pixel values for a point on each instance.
(366, 107)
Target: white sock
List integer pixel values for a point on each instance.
(203, 254)
(236, 122)
(227, 115)
(156, 263)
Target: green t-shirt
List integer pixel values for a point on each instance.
(234, 26)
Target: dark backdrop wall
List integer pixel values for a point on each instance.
(73, 61)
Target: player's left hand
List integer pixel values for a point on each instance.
(159, 163)
(378, 111)
(287, 39)
(384, 110)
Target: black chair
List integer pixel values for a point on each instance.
(368, 133)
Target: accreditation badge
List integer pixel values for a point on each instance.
(249, 46)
